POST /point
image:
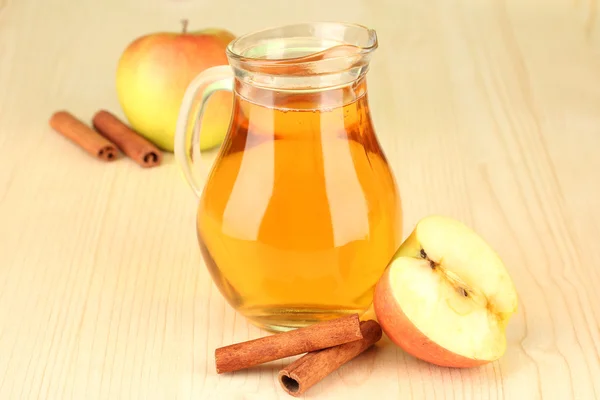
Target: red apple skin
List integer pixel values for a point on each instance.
(407, 336)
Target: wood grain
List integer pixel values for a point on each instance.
(489, 111)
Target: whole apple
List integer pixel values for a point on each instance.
(153, 74)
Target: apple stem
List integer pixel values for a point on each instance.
(184, 23)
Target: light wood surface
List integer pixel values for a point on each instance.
(489, 111)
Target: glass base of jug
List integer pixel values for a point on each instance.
(283, 319)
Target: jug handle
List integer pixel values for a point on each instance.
(212, 80)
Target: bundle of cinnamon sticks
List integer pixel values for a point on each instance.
(328, 345)
(106, 137)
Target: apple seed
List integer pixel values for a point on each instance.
(432, 263)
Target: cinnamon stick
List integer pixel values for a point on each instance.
(311, 368)
(84, 136)
(302, 340)
(135, 146)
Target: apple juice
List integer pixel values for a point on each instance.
(301, 213)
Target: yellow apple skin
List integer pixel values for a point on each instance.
(153, 74)
(402, 332)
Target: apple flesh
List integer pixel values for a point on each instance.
(153, 74)
(446, 296)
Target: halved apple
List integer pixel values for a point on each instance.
(446, 296)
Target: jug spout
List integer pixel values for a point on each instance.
(303, 56)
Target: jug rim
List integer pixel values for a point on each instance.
(342, 50)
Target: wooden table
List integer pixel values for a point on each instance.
(488, 110)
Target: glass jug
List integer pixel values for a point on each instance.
(300, 213)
